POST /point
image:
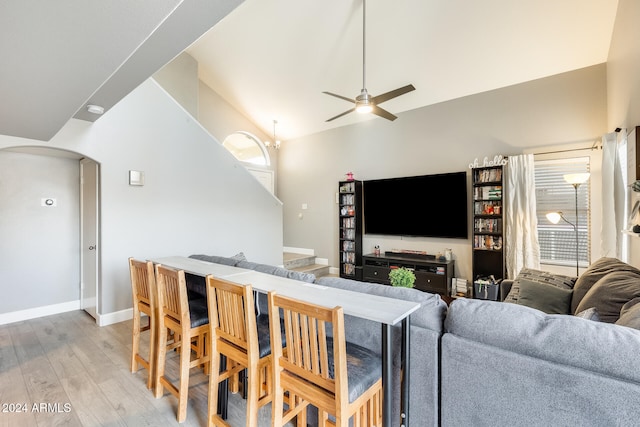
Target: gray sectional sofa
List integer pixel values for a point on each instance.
(488, 363)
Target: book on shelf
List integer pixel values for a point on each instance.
(483, 241)
(488, 175)
(348, 269)
(348, 222)
(348, 199)
(493, 192)
(487, 207)
(348, 187)
(488, 225)
(348, 245)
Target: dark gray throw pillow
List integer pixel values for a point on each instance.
(538, 276)
(630, 314)
(595, 272)
(545, 297)
(610, 293)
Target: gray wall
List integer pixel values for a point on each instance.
(39, 246)
(180, 79)
(196, 199)
(562, 109)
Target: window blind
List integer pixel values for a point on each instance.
(554, 194)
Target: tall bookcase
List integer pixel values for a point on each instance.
(350, 219)
(488, 223)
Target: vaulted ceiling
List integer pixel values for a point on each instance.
(272, 59)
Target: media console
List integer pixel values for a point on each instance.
(432, 275)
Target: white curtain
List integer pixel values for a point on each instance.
(613, 193)
(522, 248)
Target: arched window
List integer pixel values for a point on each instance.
(247, 148)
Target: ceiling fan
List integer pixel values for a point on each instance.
(365, 103)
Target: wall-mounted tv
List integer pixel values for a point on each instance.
(426, 206)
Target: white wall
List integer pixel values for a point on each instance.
(623, 85)
(39, 246)
(196, 199)
(446, 137)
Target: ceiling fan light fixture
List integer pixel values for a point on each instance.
(364, 103)
(364, 107)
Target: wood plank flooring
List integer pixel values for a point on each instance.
(64, 370)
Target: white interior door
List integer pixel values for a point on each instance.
(89, 250)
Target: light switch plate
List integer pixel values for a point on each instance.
(136, 178)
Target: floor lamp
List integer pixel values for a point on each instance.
(575, 179)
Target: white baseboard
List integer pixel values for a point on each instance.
(115, 317)
(322, 261)
(32, 313)
(334, 270)
(298, 250)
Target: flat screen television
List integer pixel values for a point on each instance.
(425, 206)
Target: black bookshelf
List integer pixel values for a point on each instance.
(350, 224)
(488, 223)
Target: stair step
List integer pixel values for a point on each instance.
(292, 260)
(318, 270)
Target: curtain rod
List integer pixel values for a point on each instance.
(595, 146)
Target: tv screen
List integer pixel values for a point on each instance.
(426, 206)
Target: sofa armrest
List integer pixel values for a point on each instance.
(505, 287)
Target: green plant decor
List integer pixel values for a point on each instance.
(402, 277)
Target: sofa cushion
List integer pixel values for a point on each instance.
(432, 309)
(216, 259)
(299, 275)
(594, 273)
(545, 297)
(589, 314)
(249, 265)
(556, 338)
(539, 276)
(277, 271)
(239, 257)
(610, 293)
(630, 314)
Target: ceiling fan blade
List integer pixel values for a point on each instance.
(383, 113)
(342, 114)
(392, 94)
(340, 96)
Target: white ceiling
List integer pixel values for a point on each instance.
(271, 59)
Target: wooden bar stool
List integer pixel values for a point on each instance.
(143, 286)
(341, 379)
(189, 324)
(244, 339)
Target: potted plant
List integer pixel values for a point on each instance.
(402, 277)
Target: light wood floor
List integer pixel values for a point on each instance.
(65, 370)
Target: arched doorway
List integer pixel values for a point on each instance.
(47, 224)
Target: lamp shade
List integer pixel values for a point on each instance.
(554, 217)
(576, 178)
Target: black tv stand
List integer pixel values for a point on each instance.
(431, 275)
(410, 255)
